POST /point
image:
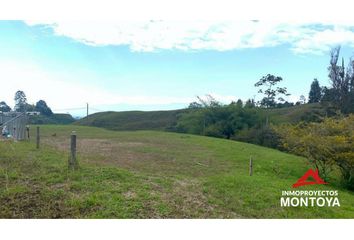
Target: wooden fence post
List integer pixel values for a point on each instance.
(73, 165)
(251, 166)
(28, 132)
(37, 138)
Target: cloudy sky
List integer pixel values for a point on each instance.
(152, 65)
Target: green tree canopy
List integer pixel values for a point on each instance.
(4, 107)
(42, 107)
(271, 93)
(315, 94)
(20, 101)
(327, 145)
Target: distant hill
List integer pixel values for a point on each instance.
(166, 120)
(133, 120)
(56, 118)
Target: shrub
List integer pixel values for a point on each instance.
(327, 145)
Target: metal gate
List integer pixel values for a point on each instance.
(15, 124)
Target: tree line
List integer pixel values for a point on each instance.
(327, 140)
(340, 95)
(329, 144)
(21, 105)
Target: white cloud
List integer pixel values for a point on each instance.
(197, 35)
(321, 41)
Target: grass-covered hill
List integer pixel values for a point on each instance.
(295, 114)
(166, 120)
(56, 118)
(132, 120)
(151, 174)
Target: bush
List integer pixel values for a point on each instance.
(327, 145)
(218, 121)
(264, 136)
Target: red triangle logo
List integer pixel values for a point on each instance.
(310, 173)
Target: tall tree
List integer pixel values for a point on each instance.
(42, 107)
(337, 75)
(342, 81)
(302, 99)
(239, 103)
(350, 75)
(271, 93)
(4, 107)
(195, 105)
(349, 105)
(250, 103)
(20, 101)
(315, 94)
(209, 102)
(30, 107)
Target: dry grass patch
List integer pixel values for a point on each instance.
(145, 156)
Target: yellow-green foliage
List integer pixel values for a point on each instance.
(326, 144)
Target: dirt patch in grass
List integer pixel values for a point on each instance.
(91, 146)
(130, 195)
(146, 156)
(34, 202)
(102, 151)
(185, 199)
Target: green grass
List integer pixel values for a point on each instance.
(150, 174)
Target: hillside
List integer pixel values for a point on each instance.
(295, 114)
(132, 120)
(166, 120)
(147, 174)
(56, 118)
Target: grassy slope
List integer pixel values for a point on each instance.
(146, 174)
(56, 118)
(162, 120)
(132, 120)
(306, 112)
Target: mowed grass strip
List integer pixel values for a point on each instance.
(148, 174)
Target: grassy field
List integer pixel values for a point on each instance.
(150, 174)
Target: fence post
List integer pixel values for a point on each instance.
(73, 165)
(28, 132)
(37, 138)
(251, 166)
